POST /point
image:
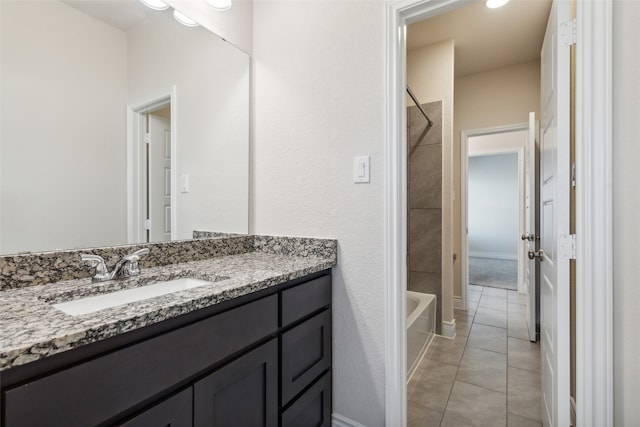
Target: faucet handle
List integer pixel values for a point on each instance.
(98, 262)
(130, 268)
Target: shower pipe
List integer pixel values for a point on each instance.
(415, 100)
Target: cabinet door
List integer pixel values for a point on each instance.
(306, 354)
(312, 408)
(176, 411)
(242, 393)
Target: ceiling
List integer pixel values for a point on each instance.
(486, 38)
(122, 14)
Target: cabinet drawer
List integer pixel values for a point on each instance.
(306, 353)
(306, 298)
(95, 391)
(242, 393)
(176, 411)
(313, 408)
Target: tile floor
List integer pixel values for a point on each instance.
(489, 375)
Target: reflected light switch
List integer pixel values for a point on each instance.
(184, 183)
(361, 169)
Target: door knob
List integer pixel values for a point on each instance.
(529, 237)
(536, 254)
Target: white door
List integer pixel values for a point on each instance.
(530, 240)
(554, 219)
(159, 178)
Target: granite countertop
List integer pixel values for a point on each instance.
(31, 328)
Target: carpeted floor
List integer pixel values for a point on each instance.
(495, 273)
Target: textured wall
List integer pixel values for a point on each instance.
(318, 101)
(626, 205)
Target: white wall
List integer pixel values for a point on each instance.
(212, 85)
(233, 25)
(493, 206)
(48, 50)
(318, 90)
(430, 74)
(626, 205)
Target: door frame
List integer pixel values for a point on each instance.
(464, 198)
(135, 144)
(594, 206)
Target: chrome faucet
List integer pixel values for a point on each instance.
(126, 267)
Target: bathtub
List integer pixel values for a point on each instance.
(421, 327)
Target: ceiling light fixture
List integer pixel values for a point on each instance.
(219, 4)
(184, 19)
(155, 4)
(493, 4)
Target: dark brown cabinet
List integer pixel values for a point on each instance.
(243, 393)
(175, 411)
(260, 360)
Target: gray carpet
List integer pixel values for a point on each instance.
(495, 273)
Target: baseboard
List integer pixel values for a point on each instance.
(449, 329)
(338, 420)
(494, 255)
(457, 303)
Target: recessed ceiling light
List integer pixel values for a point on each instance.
(155, 4)
(184, 19)
(219, 4)
(492, 4)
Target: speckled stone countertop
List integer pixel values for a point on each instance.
(31, 328)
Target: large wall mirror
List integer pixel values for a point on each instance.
(118, 125)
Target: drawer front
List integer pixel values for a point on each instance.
(95, 391)
(176, 411)
(242, 393)
(306, 353)
(313, 408)
(304, 299)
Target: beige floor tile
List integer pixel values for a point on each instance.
(518, 421)
(523, 354)
(487, 316)
(419, 416)
(483, 368)
(515, 297)
(496, 292)
(488, 338)
(523, 393)
(517, 328)
(463, 326)
(470, 405)
(431, 385)
(474, 296)
(493, 302)
(446, 350)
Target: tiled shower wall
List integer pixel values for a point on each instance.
(424, 199)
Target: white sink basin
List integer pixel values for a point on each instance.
(113, 299)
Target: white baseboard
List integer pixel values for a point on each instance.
(449, 329)
(338, 420)
(494, 255)
(457, 303)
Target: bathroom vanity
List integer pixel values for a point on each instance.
(252, 348)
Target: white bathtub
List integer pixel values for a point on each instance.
(421, 327)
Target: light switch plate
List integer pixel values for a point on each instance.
(361, 169)
(184, 183)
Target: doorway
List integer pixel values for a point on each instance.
(594, 134)
(151, 171)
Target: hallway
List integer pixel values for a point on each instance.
(489, 375)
